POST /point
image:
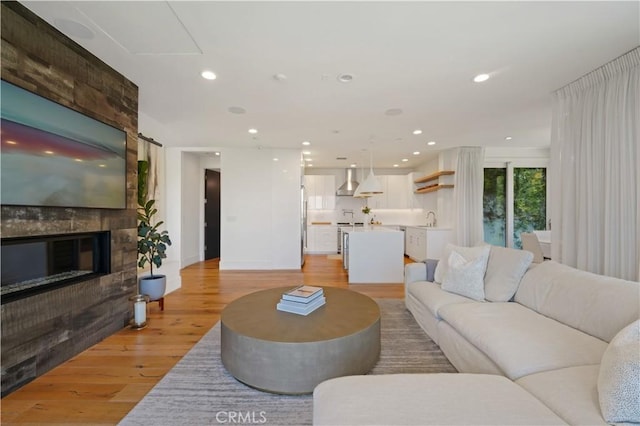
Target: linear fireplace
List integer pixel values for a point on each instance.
(32, 265)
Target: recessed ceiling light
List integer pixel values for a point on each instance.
(275, 159)
(395, 165)
(404, 160)
(306, 143)
(209, 75)
(345, 78)
(253, 131)
(102, 165)
(217, 153)
(416, 152)
(236, 110)
(49, 152)
(309, 165)
(12, 143)
(508, 138)
(79, 160)
(480, 78)
(393, 111)
(306, 152)
(431, 143)
(417, 132)
(353, 165)
(308, 159)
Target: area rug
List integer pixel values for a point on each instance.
(199, 391)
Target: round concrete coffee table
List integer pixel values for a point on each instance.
(286, 353)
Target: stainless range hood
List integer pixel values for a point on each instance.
(350, 184)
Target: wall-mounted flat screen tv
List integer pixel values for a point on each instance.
(55, 156)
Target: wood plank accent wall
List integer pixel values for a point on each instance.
(42, 331)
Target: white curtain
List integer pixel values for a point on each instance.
(468, 187)
(594, 170)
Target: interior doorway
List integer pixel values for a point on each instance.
(211, 214)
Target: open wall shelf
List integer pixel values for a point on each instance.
(432, 188)
(433, 177)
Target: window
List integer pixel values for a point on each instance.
(515, 201)
(495, 206)
(529, 201)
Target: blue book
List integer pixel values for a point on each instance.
(303, 309)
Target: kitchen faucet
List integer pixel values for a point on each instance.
(431, 222)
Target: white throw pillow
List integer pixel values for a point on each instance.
(505, 270)
(619, 377)
(465, 278)
(467, 252)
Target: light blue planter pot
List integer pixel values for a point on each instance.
(154, 287)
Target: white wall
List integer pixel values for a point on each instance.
(260, 209)
(191, 204)
(429, 201)
(518, 157)
(448, 160)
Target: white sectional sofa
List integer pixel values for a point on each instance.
(535, 350)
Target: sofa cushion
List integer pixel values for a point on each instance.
(505, 269)
(467, 252)
(415, 272)
(431, 268)
(598, 305)
(427, 399)
(519, 340)
(569, 392)
(619, 377)
(433, 297)
(465, 277)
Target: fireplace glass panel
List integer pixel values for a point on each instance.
(36, 264)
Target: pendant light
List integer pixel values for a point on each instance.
(357, 193)
(371, 185)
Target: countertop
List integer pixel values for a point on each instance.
(375, 228)
(435, 228)
(380, 225)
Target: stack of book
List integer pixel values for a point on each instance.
(302, 300)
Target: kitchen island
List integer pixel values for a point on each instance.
(374, 255)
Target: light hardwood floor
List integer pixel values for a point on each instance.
(102, 384)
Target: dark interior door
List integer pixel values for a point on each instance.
(211, 214)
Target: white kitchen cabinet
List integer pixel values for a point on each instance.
(395, 193)
(379, 201)
(426, 243)
(321, 192)
(322, 239)
(411, 242)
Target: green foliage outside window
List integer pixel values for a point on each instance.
(529, 203)
(495, 206)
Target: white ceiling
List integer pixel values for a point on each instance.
(419, 57)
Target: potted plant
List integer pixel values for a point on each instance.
(152, 243)
(366, 210)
